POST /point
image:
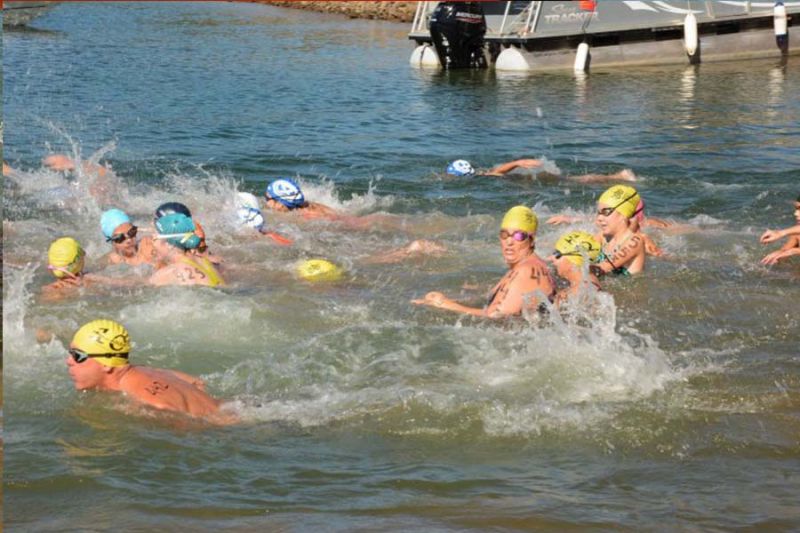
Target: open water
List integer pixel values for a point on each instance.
(674, 403)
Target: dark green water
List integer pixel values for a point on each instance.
(679, 409)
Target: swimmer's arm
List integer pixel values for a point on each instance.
(650, 247)
(774, 235)
(440, 301)
(106, 280)
(276, 237)
(505, 168)
(783, 253)
(566, 219)
(653, 222)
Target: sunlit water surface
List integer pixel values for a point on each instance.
(672, 401)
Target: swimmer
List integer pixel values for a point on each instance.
(104, 185)
(284, 195)
(463, 168)
(638, 221)
(792, 245)
(66, 260)
(98, 359)
(121, 233)
(413, 250)
(527, 272)
(623, 250)
(175, 240)
(169, 208)
(250, 215)
(571, 252)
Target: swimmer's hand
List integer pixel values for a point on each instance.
(771, 235)
(563, 219)
(774, 257)
(432, 299)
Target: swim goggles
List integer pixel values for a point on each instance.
(62, 269)
(518, 236)
(79, 356)
(120, 237)
(608, 211)
(559, 255)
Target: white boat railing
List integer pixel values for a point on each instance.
(421, 16)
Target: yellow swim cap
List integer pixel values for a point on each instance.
(319, 270)
(575, 244)
(104, 337)
(622, 198)
(65, 255)
(520, 218)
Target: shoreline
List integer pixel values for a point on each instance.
(376, 10)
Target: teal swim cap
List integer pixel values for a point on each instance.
(111, 220)
(178, 230)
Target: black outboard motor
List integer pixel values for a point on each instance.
(457, 30)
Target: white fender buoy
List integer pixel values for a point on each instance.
(424, 56)
(581, 56)
(780, 19)
(690, 40)
(781, 31)
(511, 59)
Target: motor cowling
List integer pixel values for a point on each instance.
(457, 30)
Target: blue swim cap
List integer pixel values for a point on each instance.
(178, 230)
(287, 192)
(460, 168)
(111, 220)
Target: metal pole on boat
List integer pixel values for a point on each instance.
(416, 16)
(505, 16)
(531, 7)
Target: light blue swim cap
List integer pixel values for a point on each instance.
(287, 192)
(178, 230)
(111, 220)
(460, 168)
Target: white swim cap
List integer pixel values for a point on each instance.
(248, 211)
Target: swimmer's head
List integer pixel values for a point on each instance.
(170, 208)
(621, 198)
(460, 168)
(577, 245)
(319, 270)
(111, 220)
(248, 210)
(178, 230)
(286, 192)
(638, 214)
(520, 218)
(103, 340)
(65, 258)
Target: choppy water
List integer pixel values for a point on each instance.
(675, 403)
